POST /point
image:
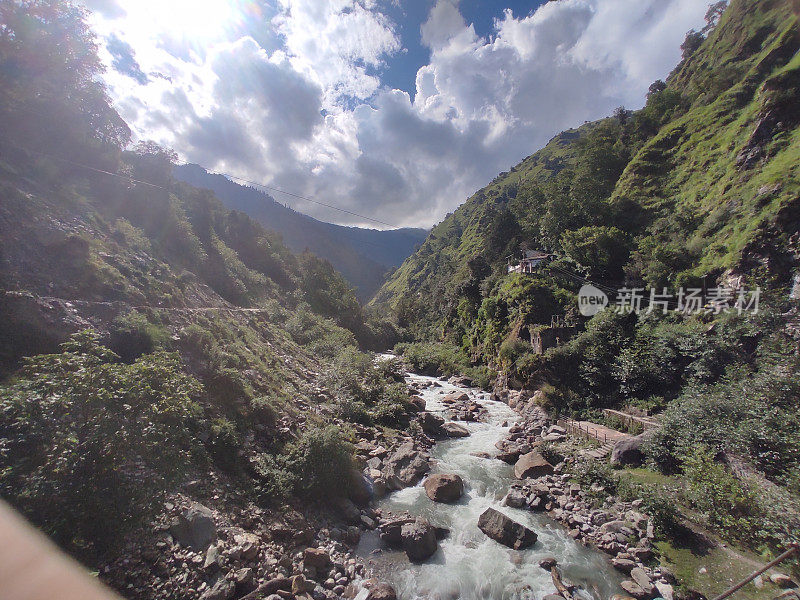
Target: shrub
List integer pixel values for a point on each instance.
(90, 442)
(321, 460)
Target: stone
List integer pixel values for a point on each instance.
(454, 430)
(213, 557)
(317, 558)
(623, 564)
(382, 591)
(405, 466)
(453, 398)
(419, 540)
(300, 585)
(505, 530)
(548, 562)
(781, 580)
(628, 451)
(516, 498)
(194, 527)
(390, 532)
(443, 487)
(634, 590)
(643, 580)
(244, 580)
(359, 489)
(273, 585)
(348, 510)
(665, 590)
(532, 465)
(431, 423)
(221, 590)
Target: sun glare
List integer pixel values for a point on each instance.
(197, 20)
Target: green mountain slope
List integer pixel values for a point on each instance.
(701, 181)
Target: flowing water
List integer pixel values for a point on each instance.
(468, 564)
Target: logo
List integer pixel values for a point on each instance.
(591, 300)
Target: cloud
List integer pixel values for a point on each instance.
(305, 110)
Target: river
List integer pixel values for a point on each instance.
(468, 564)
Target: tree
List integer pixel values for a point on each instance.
(51, 98)
(713, 15)
(691, 43)
(89, 441)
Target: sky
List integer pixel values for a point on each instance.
(397, 110)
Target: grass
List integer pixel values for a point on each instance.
(713, 571)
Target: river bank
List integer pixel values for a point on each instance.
(467, 563)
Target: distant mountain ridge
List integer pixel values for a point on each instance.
(363, 256)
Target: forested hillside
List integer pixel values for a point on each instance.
(700, 189)
(363, 256)
(155, 343)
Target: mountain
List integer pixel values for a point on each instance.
(697, 193)
(363, 256)
(699, 183)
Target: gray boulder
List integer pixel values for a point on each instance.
(454, 430)
(431, 423)
(419, 540)
(505, 530)
(442, 487)
(532, 465)
(194, 527)
(382, 591)
(406, 466)
(628, 451)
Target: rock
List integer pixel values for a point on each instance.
(221, 590)
(781, 580)
(273, 585)
(244, 580)
(553, 597)
(405, 466)
(382, 591)
(300, 585)
(532, 465)
(348, 510)
(623, 564)
(442, 487)
(391, 531)
(643, 580)
(548, 562)
(419, 540)
(453, 398)
(194, 527)
(213, 557)
(359, 489)
(665, 590)
(516, 498)
(454, 430)
(431, 423)
(634, 590)
(504, 530)
(628, 451)
(316, 557)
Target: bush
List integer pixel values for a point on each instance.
(90, 442)
(322, 461)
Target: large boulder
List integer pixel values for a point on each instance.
(454, 430)
(194, 527)
(442, 487)
(532, 465)
(628, 451)
(391, 531)
(419, 540)
(406, 465)
(431, 423)
(505, 530)
(359, 490)
(382, 591)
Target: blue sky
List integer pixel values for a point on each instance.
(400, 70)
(398, 110)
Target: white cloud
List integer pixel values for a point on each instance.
(305, 110)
